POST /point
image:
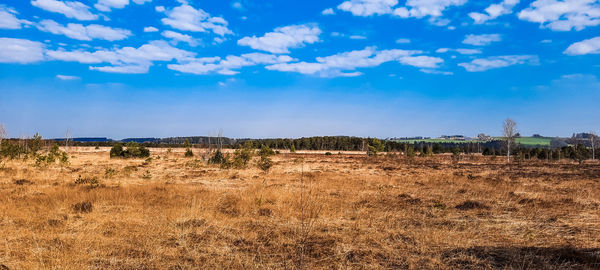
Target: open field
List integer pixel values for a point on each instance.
(310, 211)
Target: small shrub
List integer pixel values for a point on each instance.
(217, 158)
(132, 150)
(93, 182)
(82, 207)
(265, 163)
(328, 153)
(21, 182)
(468, 205)
(189, 153)
(147, 175)
(109, 173)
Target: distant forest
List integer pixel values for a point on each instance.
(340, 143)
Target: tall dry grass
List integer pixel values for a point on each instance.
(310, 211)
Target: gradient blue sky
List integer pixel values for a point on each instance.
(384, 68)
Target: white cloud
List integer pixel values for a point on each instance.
(421, 61)
(67, 77)
(563, 15)
(483, 64)
(107, 5)
(160, 8)
(412, 8)
(180, 37)
(187, 18)
(229, 64)
(328, 11)
(81, 32)
(494, 11)
(150, 29)
(22, 51)
(126, 59)
(460, 50)
(9, 20)
(283, 38)
(345, 64)
(588, 46)
(237, 5)
(368, 7)
(481, 40)
(357, 37)
(403, 41)
(71, 9)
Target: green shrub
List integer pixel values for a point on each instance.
(265, 163)
(133, 150)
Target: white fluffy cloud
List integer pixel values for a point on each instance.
(22, 51)
(481, 40)
(187, 18)
(81, 32)
(328, 11)
(403, 41)
(150, 29)
(126, 59)
(71, 9)
(180, 37)
(107, 5)
(483, 64)
(229, 64)
(368, 7)
(9, 20)
(283, 38)
(67, 77)
(494, 11)
(588, 46)
(563, 15)
(345, 64)
(460, 50)
(412, 8)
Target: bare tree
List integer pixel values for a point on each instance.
(3, 133)
(509, 132)
(67, 138)
(593, 139)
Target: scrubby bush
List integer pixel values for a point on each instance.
(132, 150)
(265, 163)
(188, 149)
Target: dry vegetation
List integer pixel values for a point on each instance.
(310, 211)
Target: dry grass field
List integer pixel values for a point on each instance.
(310, 211)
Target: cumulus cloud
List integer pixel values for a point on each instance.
(460, 50)
(345, 64)
(483, 64)
(563, 15)
(481, 40)
(412, 8)
(328, 11)
(81, 32)
(180, 37)
(228, 65)
(494, 11)
(67, 77)
(368, 7)
(588, 46)
(283, 38)
(22, 51)
(403, 41)
(71, 9)
(107, 5)
(150, 29)
(126, 59)
(9, 20)
(187, 18)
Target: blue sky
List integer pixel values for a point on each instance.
(384, 68)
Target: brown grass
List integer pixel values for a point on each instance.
(310, 211)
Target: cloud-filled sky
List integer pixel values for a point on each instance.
(385, 68)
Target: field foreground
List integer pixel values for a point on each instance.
(310, 211)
